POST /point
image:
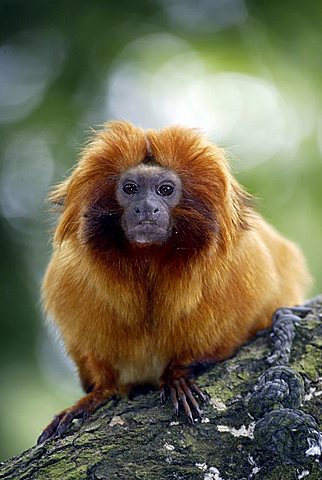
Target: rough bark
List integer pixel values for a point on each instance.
(141, 439)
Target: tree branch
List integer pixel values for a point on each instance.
(141, 439)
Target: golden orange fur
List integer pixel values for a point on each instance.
(128, 314)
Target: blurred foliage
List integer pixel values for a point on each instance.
(247, 71)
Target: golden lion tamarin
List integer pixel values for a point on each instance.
(159, 262)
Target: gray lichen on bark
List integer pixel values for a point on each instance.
(141, 439)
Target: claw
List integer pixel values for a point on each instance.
(174, 399)
(181, 392)
(163, 396)
(203, 396)
(191, 398)
(50, 429)
(181, 388)
(59, 425)
(67, 420)
(81, 409)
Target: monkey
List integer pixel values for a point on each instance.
(160, 262)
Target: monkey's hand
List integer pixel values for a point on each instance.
(81, 410)
(180, 385)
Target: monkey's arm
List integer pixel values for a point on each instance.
(99, 381)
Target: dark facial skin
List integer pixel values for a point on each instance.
(147, 195)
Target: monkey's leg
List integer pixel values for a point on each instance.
(101, 386)
(178, 381)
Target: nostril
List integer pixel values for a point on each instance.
(156, 210)
(137, 210)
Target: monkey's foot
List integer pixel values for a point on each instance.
(182, 390)
(81, 410)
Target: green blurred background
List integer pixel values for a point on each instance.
(248, 73)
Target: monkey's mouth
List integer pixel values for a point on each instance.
(147, 222)
(147, 232)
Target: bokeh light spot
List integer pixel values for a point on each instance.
(29, 61)
(27, 172)
(246, 113)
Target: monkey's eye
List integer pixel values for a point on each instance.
(130, 188)
(165, 190)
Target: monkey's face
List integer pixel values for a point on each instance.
(147, 195)
(168, 188)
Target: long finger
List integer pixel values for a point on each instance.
(186, 388)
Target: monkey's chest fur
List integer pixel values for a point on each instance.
(136, 329)
(145, 366)
(139, 348)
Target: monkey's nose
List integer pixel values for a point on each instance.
(137, 210)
